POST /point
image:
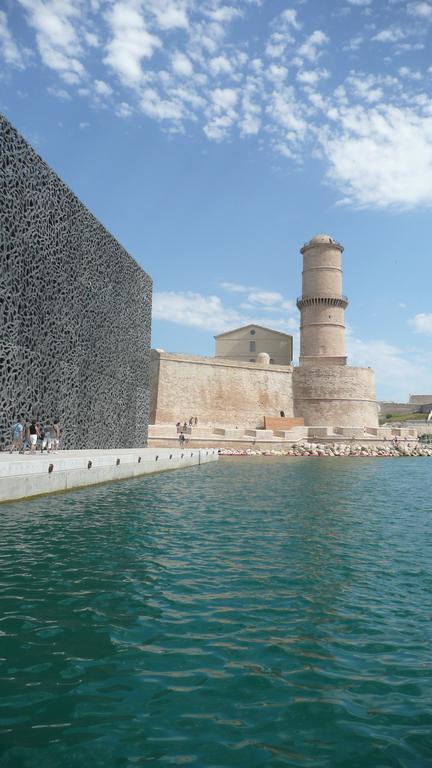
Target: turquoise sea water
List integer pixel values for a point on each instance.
(259, 612)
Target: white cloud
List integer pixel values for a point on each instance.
(59, 93)
(422, 323)
(236, 287)
(91, 39)
(354, 43)
(224, 13)
(397, 373)
(421, 9)
(130, 42)
(372, 129)
(278, 43)
(56, 37)
(250, 120)
(282, 37)
(224, 98)
(192, 309)
(381, 156)
(312, 76)
(102, 88)
(169, 14)
(221, 113)
(269, 298)
(124, 110)
(9, 49)
(208, 313)
(220, 65)
(310, 48)
(287, 112)
(154, 105)
(410, 74)
(392, 35)
(182, 65)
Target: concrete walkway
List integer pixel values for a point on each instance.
(23, 476)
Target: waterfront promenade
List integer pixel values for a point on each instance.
(23, 476)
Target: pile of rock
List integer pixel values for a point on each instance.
(337, 449)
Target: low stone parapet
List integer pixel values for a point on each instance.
(318, 431)
(260, 434)
(355, 432)
(229, 433)
(296, 433)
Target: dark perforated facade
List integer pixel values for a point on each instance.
(75, 311)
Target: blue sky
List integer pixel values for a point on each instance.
(213, 138)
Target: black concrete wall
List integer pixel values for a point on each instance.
(75, 311)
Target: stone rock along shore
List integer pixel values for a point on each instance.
(319, 449)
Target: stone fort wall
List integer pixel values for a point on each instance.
(335, 395)
(222, 392)
(75, 311)
(218, 391)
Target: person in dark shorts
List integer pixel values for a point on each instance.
(33, 435)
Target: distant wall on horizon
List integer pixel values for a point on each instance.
(75, 311)
(420, 399)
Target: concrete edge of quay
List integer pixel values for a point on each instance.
(26, 476)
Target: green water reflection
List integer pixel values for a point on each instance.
(261, 612)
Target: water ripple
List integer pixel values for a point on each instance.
(262, 613)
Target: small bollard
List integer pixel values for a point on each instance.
(50, 468)
(139, 459)
(117, 462)
(89, 465)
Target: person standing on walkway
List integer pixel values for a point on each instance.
(47, 440)
(26, 436)
(17, 431)
(34, 433)
(56, 435)
(41, 433)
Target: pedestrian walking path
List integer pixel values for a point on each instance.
(26, 475)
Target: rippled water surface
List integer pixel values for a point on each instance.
(252, 613)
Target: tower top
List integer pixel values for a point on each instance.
(321, 240)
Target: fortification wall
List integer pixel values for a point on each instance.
(75, 310)
(420, 399)
(217, 391)
(335, 395)
(393, 408)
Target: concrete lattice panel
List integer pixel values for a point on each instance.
(75, 311)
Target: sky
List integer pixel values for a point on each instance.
(214, 137)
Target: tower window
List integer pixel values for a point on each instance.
(251, 346)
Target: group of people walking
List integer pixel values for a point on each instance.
(193, 422)
(34, 434)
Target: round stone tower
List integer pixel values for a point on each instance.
(322, 305)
